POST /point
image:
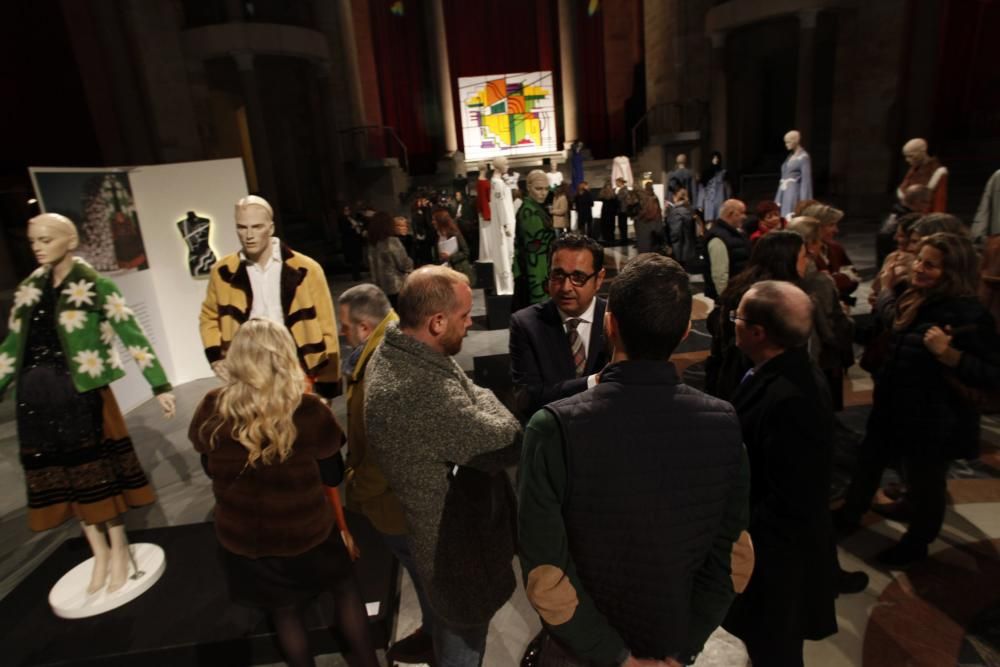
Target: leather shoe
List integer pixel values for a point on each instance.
(903, 553)
(851, 582)
(415, 648)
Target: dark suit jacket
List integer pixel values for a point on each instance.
(787, 418)
(541, 364)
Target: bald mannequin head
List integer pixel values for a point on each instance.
(682, 160)
(500, 165)
(915, 152)
(538, 185)
(773, 316)
(792, 139)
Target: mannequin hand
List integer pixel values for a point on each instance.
(444, 255)
(219, 368)
(352, 549)
(937, 340)
(169, 405)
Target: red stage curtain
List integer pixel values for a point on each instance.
(591, 92)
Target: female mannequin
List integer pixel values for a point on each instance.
(796, 181)
(77, 455)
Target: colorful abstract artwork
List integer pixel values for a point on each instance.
(507, 114)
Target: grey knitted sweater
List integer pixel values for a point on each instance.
(423, 417)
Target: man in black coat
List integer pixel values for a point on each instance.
(786, 414)
(557, 346)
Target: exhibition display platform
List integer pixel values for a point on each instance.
(186, 617)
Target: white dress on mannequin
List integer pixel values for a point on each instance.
(499, 234)
(621, 167)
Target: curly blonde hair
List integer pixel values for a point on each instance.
(264, 387)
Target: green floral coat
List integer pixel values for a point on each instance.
(90, 311)
(532, 239)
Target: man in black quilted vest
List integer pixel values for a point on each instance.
(728, 249)
(634, 495)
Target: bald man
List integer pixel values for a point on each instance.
(927, 171)
(786, 415)
(728, 247)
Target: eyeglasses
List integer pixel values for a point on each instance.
(577, 278)
(733, 317)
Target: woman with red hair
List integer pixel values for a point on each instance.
(768, 219)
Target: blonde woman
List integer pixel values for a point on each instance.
(272, 453)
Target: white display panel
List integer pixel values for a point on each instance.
(508, 114)
(166, 297)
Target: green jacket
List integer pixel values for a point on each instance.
(90, 311)
(532, 240)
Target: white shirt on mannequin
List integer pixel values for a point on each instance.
(266, 285)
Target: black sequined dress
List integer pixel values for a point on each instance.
(78, 459)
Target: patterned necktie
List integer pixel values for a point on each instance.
(576, 345)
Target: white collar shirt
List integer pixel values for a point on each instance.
(265, 282)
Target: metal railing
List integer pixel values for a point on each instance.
(374, 142)
(669, 118)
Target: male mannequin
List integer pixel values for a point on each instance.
(483, 206)
(500, 232)
(681, 177)
(78, 458)
(927, 171)
(796, 176)
(532, 240)
(268, 279)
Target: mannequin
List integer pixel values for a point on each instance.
(500, 239)
(681, 177)
(195, 231)
(531, 244)
(576, 166)
(554, 176)
(796, 176)
(483, 206)
(927, 171)
(713, 189)
(621, 167)
(987, 219)
(68, 421)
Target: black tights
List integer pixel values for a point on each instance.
(352, 625)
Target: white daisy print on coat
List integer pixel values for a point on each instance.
(115, 308)
(142, 356)
(26, 295)
(80, 293)
(6, 364)
(107, 332)
(89, 362)
(13, 322)
(71, 320)
(114, 360)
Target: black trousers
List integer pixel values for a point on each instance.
(623, 227)
(925, 468)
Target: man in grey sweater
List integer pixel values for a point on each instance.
(443, 444)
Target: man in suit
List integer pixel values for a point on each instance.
(786, 414)
(557, 347)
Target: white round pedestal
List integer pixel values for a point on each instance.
(69, 597)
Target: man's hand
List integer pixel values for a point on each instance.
(169, 405)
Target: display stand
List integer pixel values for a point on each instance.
(69, 597)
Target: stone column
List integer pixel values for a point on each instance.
(807, 70)
(719, 102)
(567, 68)
(328, 101)
(438, 41)
(258, 129)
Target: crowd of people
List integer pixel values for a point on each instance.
(631, 552)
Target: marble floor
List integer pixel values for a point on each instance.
(944, 612)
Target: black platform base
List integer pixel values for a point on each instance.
(186, 618)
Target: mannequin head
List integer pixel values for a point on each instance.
(792, 139)
(915, 152)
(52, 237)
(538, 185)
(716, 158)
(500, 165)
(483, 168)
(254, 226)
(682, 160)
